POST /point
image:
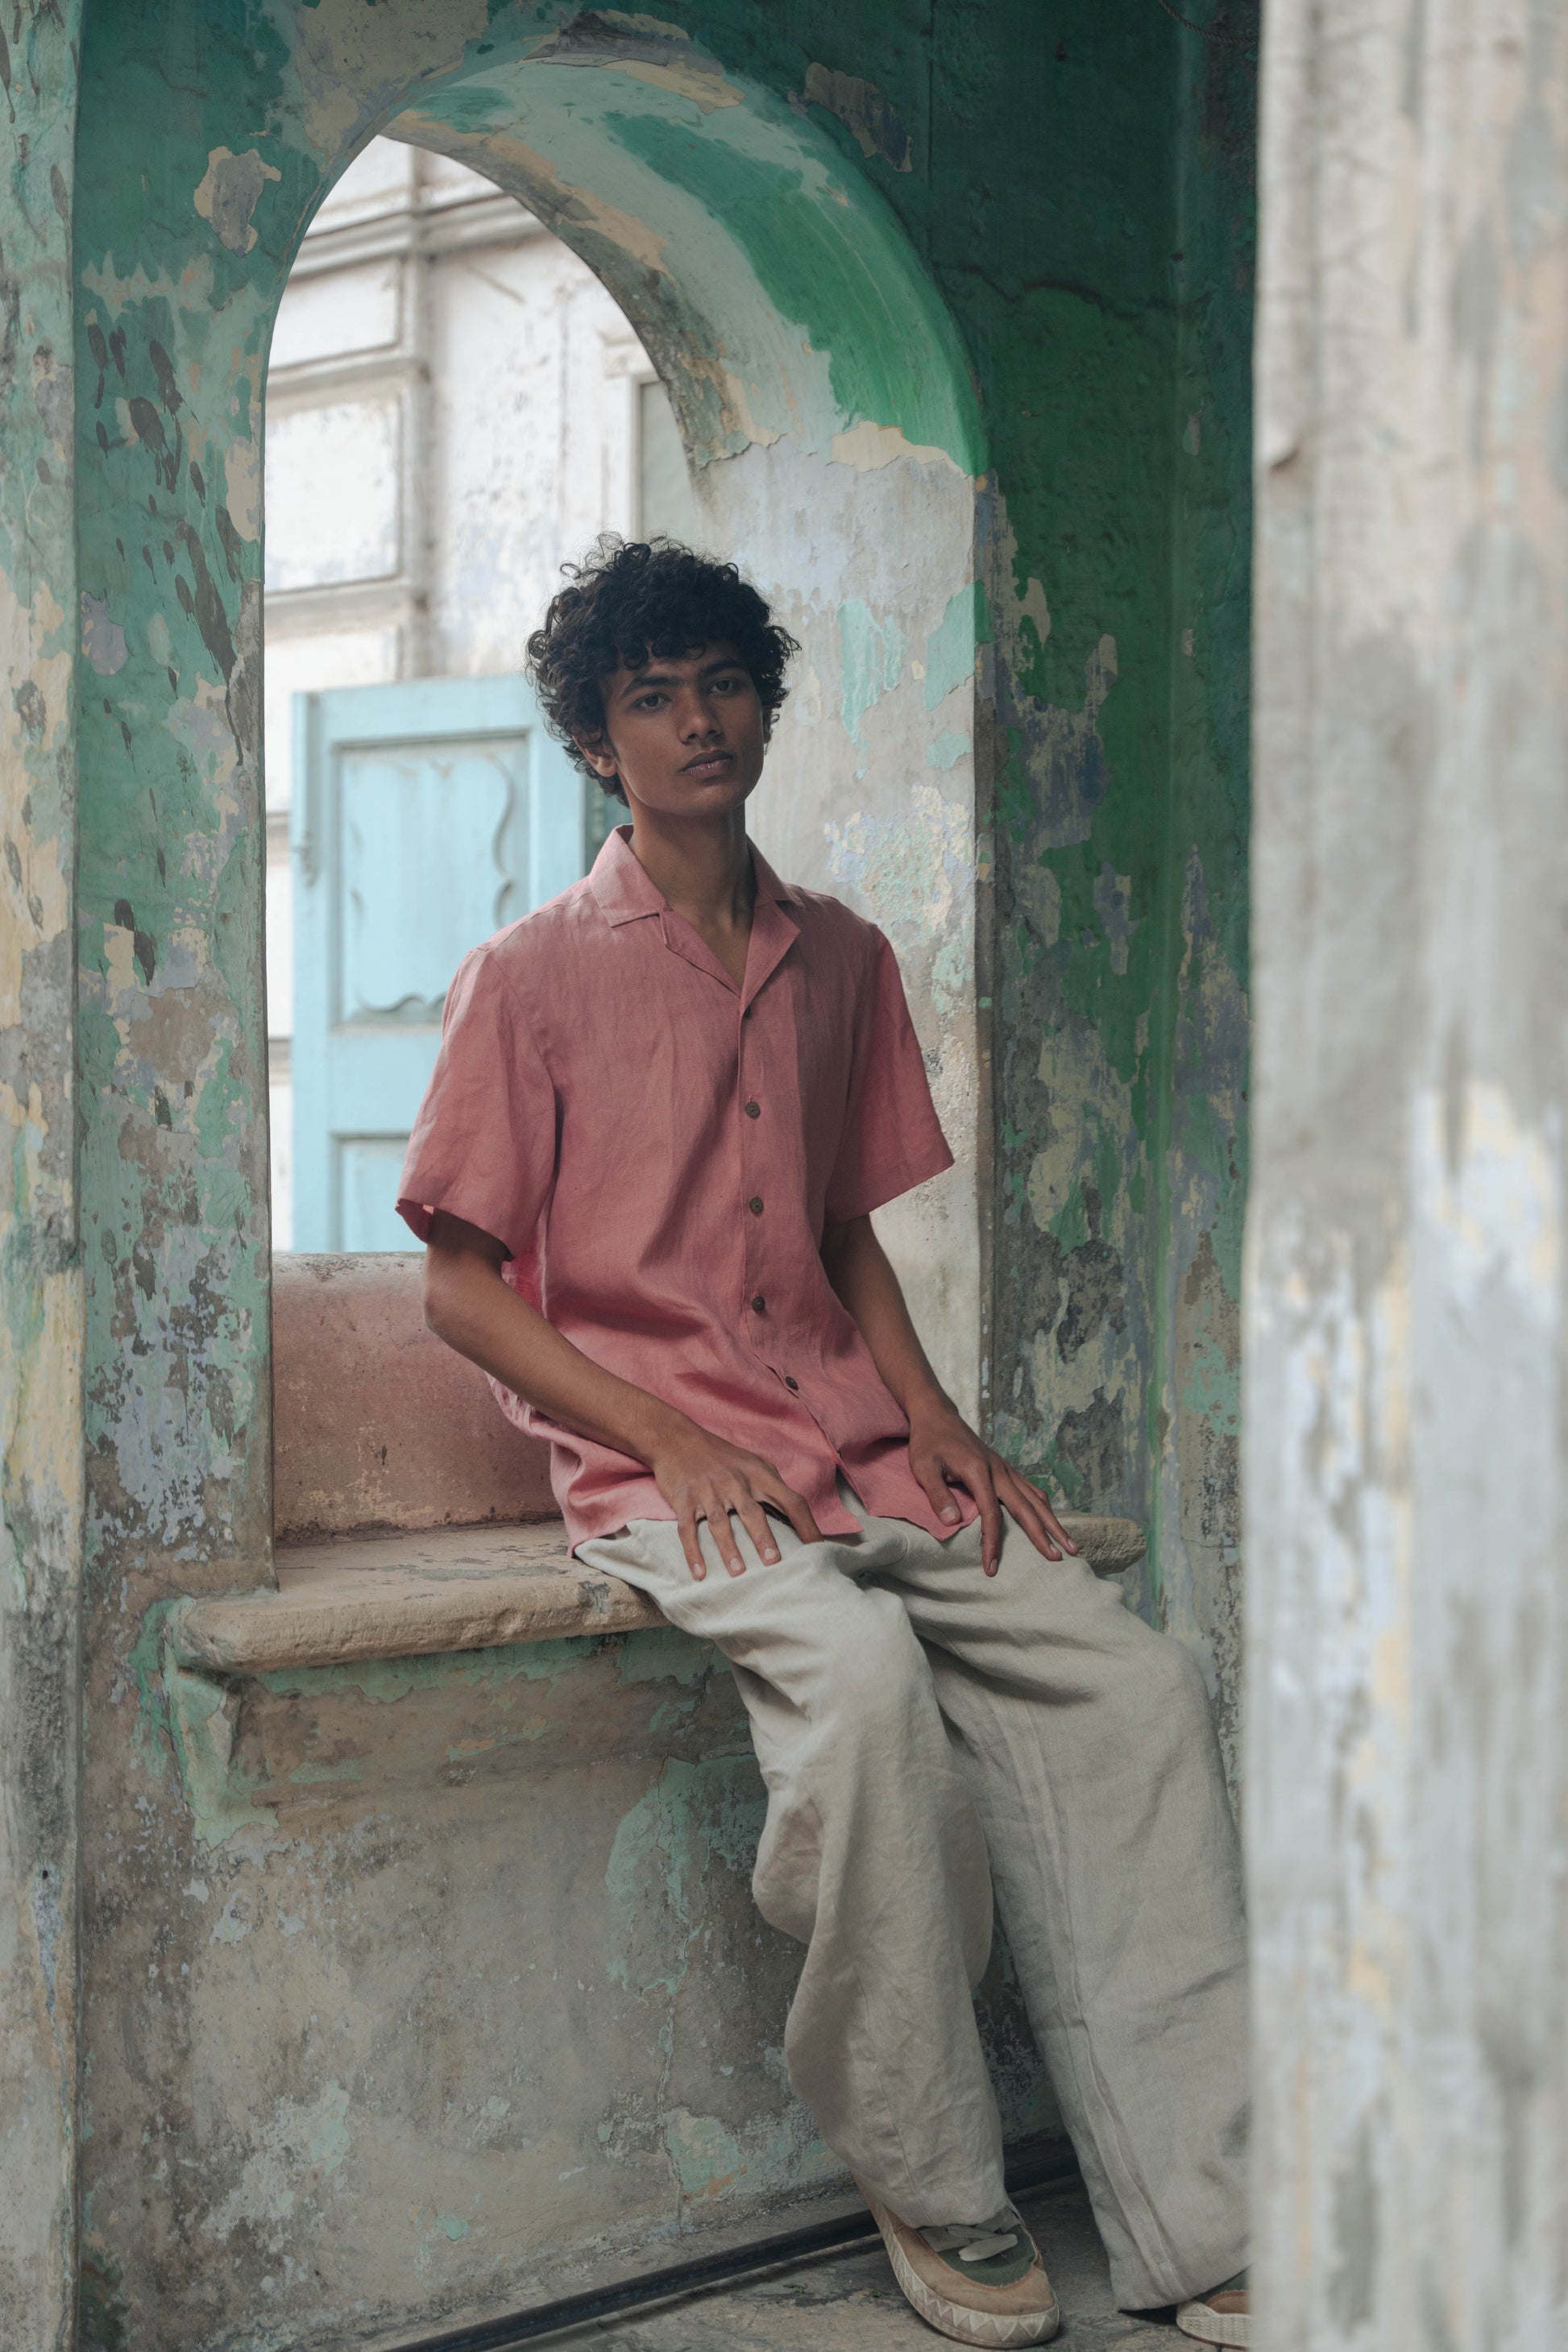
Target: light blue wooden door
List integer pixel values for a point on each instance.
(426, 816)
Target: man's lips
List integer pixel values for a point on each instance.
(710, 762)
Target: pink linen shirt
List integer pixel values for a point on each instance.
(658, 1152)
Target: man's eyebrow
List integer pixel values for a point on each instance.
(655, 677)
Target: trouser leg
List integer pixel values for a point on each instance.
(1088, 1747)
(871, 1856)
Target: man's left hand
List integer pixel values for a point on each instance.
(944, 1453)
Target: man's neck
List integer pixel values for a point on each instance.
(702, 866)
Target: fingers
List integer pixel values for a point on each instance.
(754, 1518)
(747, 1496)
(744, 1499)
(1033, 1515)
(1058, 1531)
(691, 1545)
(973, 1471)
(716, 1511)
(991, 1531)
(933, 1484)
(797, 1510)
(1047, 1512)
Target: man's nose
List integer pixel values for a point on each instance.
(698, 717)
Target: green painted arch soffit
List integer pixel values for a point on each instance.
(768, 275)
(770, 280)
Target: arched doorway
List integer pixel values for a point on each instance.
(828, 415)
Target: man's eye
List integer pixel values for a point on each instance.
(725, 684)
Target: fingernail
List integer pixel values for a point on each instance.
(770, 1553)
(949, 1510)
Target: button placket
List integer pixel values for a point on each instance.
(753, 1109)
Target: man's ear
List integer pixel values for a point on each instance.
(597, 753)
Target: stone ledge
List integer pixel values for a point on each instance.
(404, 1595)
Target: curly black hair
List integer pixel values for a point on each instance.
(632, 601)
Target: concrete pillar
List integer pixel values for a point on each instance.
(1404, 1455)
(40, 1272)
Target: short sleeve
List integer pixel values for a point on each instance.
(483, 1146)
(891, 1139)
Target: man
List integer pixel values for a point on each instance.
(664, 1109)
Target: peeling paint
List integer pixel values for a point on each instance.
(865, 112)
(872, 653)
(102, 638)
(868, 447)
(299, 2145)
(646, 48)
(228, 193)
(41, 1286)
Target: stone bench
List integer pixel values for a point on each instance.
(468, 1836)
(412, 1518)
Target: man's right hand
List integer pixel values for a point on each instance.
(702, 1478)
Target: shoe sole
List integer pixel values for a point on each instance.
(1207, 2326)
(958, 2320)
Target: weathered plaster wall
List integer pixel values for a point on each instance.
(1407, 1468)
(1198, 1134)
(794, 206)
(40, 1272)
(1119, 422)
(508, 2004)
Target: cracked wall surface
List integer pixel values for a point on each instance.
(1407, 1447)
(1119, 554)
(40, 1271)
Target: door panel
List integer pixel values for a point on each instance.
(425, 816)
(365, 1187)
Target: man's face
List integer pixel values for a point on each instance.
(686, 736)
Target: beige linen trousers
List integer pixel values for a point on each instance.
(927, 1733)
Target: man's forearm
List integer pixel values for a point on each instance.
(469, 1305)
(857, 1267)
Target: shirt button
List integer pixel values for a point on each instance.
(792, 1384)
(758, 1304)
(754, 1111)
(756, 1204)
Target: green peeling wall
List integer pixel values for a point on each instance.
(1115, 308)
(953, 298)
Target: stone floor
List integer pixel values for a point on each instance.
(848, 2303)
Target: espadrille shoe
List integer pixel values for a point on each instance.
(1223, 2316)
(982, 2285)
